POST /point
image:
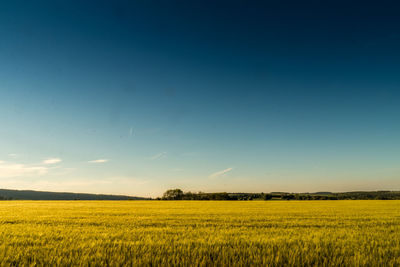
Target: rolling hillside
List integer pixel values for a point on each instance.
(43, 195)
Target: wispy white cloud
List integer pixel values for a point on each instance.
(159, 156)
(131, 131)
(220, 173)
(17, 169)
(98, 161)
(51, 161)
(13, 155)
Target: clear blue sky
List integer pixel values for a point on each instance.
(136, 97)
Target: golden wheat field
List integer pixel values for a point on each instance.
(195, 233)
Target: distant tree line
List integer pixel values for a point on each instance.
(8, 194)
(178, 194)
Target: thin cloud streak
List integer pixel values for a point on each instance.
(8, 170)
(220, 173)
(52, 161)
(98, 161)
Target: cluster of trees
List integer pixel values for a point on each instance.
(380, 195)
(178, 194)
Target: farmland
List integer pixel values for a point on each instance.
(186, 233)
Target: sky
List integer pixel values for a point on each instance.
(137, 97)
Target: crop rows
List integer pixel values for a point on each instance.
(200, 233)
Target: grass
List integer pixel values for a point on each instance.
(192, 233)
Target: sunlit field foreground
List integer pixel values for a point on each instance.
(186, 233)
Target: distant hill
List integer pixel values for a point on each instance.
(322, 193)
(44, 195)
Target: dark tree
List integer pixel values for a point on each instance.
(267, 196)
(173, 194)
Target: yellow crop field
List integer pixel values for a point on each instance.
(200, 233)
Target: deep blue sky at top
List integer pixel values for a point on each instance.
(247, 85)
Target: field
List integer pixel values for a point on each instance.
(237, 233)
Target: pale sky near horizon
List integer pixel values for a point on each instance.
(137, 97)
